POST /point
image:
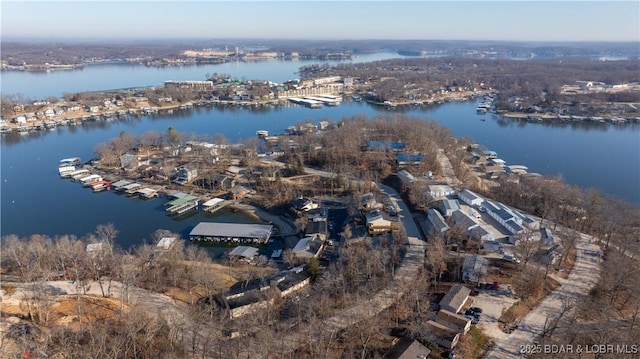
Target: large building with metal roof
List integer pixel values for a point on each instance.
(231, 232)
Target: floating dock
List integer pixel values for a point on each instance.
(214, 205)
(181, 205)
(305, 102)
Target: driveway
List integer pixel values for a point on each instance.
(582, 278)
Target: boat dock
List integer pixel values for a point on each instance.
(214, 204)
(181, 205)
(305, 102)
(146, 193)
(325, 101)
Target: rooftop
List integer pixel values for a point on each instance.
(241, 230)
(244, 251)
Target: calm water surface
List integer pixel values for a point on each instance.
(35, 200)
(39, 85)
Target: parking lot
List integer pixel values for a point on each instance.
(493, 303)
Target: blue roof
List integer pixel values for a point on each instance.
(409, 158)
(384, 145)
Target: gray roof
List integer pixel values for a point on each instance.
(513, 224)
(239, 230)
(456, 296)
(437, 221)
(478, 232)
(475, 264)
(244, 251)
(463, 220)
(470, 195)
(407, 348)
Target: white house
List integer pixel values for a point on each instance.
(470, 198)
(20, 119)
(439, 190)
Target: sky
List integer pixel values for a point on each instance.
(394, 20)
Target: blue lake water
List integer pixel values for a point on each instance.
(35, 200)
(39, 85)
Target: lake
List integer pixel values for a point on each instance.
(35, 200)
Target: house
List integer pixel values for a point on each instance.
(407, 348)
(550, 255)
(442, 335)
(302, 204)
(316, 229)
(436, 222)
(368, 201)
(49, 112)
(223, 182)
(376, 223)
(479, 233)
(448, 206)
(318, 214)
(491, 246)
(129, 161)
(307, 247)
(244, 252)
(453, 321)
(546, 237)
(185, 175)
(440, 190)
(20, 119)
(455, 299)
(404, 160)
(474, 269)
(470, 198)
(406, 178)
(506, 216)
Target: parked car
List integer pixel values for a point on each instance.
(476, 309)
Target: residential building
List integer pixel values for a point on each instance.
(455, 299)
(474, 269)
(442, 335)
(407, 348)
(317, 229)
(185, 175)
(550, 255)
(453, 321)
(546, 237)
(376, 223)
(368, 201)
(448, 206)
(307, 247)
(244, 252)
(302, 204)
(470, 198)
(404, 160)
(406, 178)
(440, 190)
(436, 222)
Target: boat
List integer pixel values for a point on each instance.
(85, 181)
(262, 133)
(99, 186)
(71, 161)
(65, 171)
(79, 173)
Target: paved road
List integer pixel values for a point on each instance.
(582, 278)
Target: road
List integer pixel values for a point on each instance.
(582, 278)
